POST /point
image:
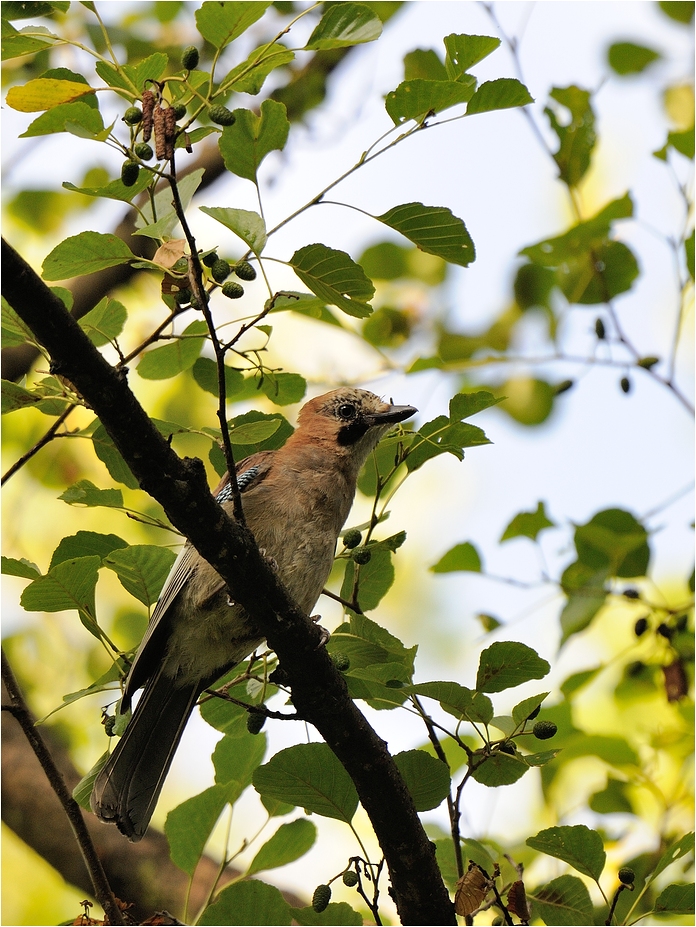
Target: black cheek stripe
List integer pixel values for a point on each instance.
(349, 434)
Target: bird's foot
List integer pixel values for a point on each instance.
(325, 635)
(271, 561)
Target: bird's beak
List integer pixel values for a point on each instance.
(390, 415)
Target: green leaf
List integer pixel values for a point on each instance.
(222, 23)
(14, 331)
(586, 591)
(15, 397)
(629, 58)
(366, 643)
(335, 278)
(290, 842)
(552, 252)
(250, 75)
(85, 253)
(68, 585)
(16, 45)
(527, 524)
(454, 699)
(424, 64)
(77, 118)
(427, 778)
(616, 541)
(579, 846)
(563, 901)
(284, 388)
(502, 93)
(309, 775)
(434, 229)
(499, 769)
(678, 849)
(23, 567)
(343, 25)
(45, 93)
(251, 902)
(375, 579)
(279, 436)
(159, 220)
(190, 824)
(611, 799)
(462, 557)
(86, 493)
(115, 190)
(442, 436)
(254, 432)
(236, 759)
(676, 899)
(249, 226)
(142, 570)
(105, 322)
(683, 142)
(175, 357)
(506, 664)
(416, 99)
(337, 915)
(678, 10)
(83, 790)
(106, 451)
(524, 709)
(464, 405)
(26, 10)
(464, 51)
(205, 374)
(86, 544)
(245, 144)
(576, 136)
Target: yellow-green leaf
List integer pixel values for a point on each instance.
(45, 93)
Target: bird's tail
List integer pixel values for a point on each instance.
(127, 787)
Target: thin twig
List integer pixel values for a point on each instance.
(20, 711)
(201, 297)
(42, 442)
(352, 606)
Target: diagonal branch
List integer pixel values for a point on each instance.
(319, 692)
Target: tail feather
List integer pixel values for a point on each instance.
(127, 788)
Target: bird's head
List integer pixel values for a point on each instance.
(349, 420)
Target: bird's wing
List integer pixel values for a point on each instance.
(250, 471)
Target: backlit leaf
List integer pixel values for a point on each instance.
(343, 25)
(311, 777)
(245, 144)
(85, 253)
(334, 277)
(415, 99)
(434, 229)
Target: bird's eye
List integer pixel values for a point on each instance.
(347, 411)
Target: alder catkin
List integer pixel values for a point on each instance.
(160, 133)
(169, 132)
(148, 109)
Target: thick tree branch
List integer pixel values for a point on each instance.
(319, 692)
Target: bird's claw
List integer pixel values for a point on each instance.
(325, 636)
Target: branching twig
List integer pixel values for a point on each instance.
(42, 442)
(19, 710)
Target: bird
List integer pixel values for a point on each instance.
(295, 501)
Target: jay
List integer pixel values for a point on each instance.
(295, 500)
